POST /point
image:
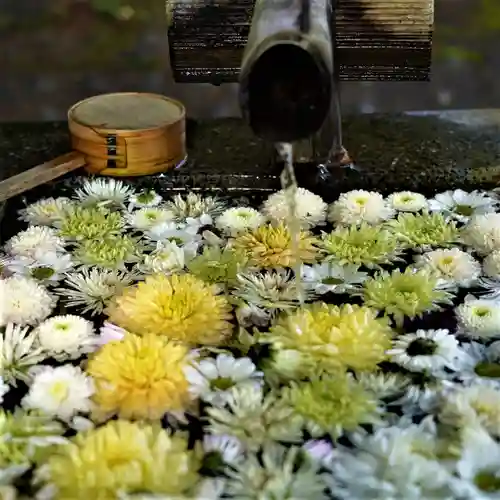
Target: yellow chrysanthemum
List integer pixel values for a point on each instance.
(181, 307)
(121, 458)
(140, 377)
(330, 338)
(272, 246)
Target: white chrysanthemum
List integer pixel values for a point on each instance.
(461, 205)
(169, 231)
(425, 351)
(67, 336)
(44, 267)
(4, 389)
(23, 301)
(355, 207)
(394, 463)
(144, 199)
(35, 239)
(382, 384)
(60, 392)
(470, 406)
(229, 448)
(482, 233)
(421, 399)
(45, 212)
(146, 218)
(479, 364)
(18, 353)
(92, 289)
(234, 221)
(213, 380)
(491, 265)
(110, 332)
(104, 191)
(478, 318)
(331, 277)
(453, 267)
(310, 209)
(281, 473)
(478, 466)
(167, 258)
(407, 201)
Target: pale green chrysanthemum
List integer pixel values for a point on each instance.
(80, 223)
(216, 265)
(365, 245)
(322, 337)
(18, 353)
(332, 405)
(423, 230)
(271, 290)
(92, 289)
(193, 205)
(255, 419)
(284, 473)
(409, 294)
(111, 252)
(26, 437)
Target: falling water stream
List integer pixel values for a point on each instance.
(289, 185)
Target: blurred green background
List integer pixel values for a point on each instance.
(56, 52)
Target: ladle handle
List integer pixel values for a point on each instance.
(40, 174)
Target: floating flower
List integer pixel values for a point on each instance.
(319, 450)
(461, 206)
(479, 364)
(358, 206)
(269, 291)
(109, 333)
(225, 449)
(194, 206)
(218, 265)
(88, 223)
(181, 307)
(110, 252)
(35, 239)
(482, 233)
(175, 233)
(140, 377)
(92, 289)
(490, 288)
(45, 212)
(146, 198)
(122, 458)
(479, 318)
(423, 231)
(45, 267)
(332, 405)
(249, 314)
(235, 221)
(426, 351)
(407, 201)
(146, 218)
(269, 246)
(394, 462)
(24, 301)
(61, 392)
(477, 404)
(383, 385)
(166, 258)
(310, 209)
(66, 337)
(452, 267)
(329, 338)
(364, 245)
(409, 294)
(213, 380)
(491, 265)
(329, 277)
(280, 473)
(4, 389)
(255, 419)
(18, 353)
(104, 191)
